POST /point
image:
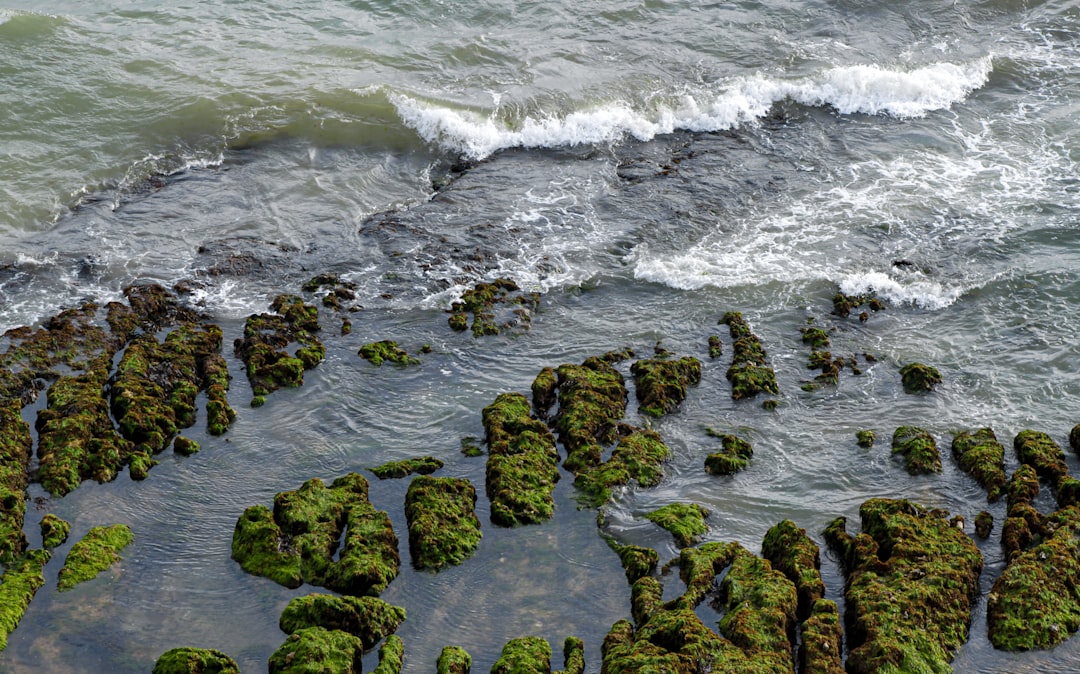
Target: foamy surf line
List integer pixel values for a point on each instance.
(865, 89)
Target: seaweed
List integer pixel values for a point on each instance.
(524, 655)
(918, 449)
(263, 346)
(733, 457)
(749, 372)
(22, 577)
(661, 383)
(481, 301)
(981, 455)
(919, 378)
(386, 350)
(441, 515)
(522, 466)
(317, 649)
(684, 521)
(370, 619)
(454, 660)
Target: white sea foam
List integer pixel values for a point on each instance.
(920, 291)
(867, 89)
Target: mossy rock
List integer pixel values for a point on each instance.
(984, 524)
(20, 582)
(386, 350)
(661, 383)
(316, 649)
(391, 656)
(454, 660)
(98, 550)
(919, 378)
(637, 458)
(816, 337)
(749, 372)
(637, 561)
(1038, 450)
(525, 655)
(981, 455)
(844, 305)
(918, 449)
(185, 446)
(592, 400)
(573, 656)
(1034, 603)
(865, 439)
(370, 619)
(263, 346)
(716, 347)
(791, 552)
(188, 660)
(16, 447)
(911, 579)
(443, 528)
(734, 456)
(482, 301)
(54, 531)
(545, 392)
(397, 469)
(684, 521)
(820, 650)
(522, 466)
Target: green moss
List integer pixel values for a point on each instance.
(98, 550)
(749, 373)
(1038, 450)
(733, 457)
(918, 448)
(525, 655)
(369, 558)
(637, 561)
(391, 656)
(15, 452)
(716, 347)
(984, 524)
(816, 337)
(266, 336)
(592, 400)
(865, 439)
(54, 531)
(396, 469)
(386, 350)
(661, 383)
(573, 656)
(522, 465)
(470, 448)
(185, 446)
(1034, 604)
(188, 660)
(684, 521)
(981, 455)
(443, 528)
(370, 619)
(918, 378)
(843, 304)
(454, 660)
(544, 392)
(911, 578)
(820, 649)
(22, 577)
(791, 552)
(481, 301)
(637, 457)
(316, 649)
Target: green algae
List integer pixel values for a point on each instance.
(22, 577)
(865, 439)
(391, 656)
(16, 446)
(1023, 523)
(317, 649)
(820, 650)
(1035, 603)
(297, 541)
(188, 660)
(524, 655)
(592, 400)
(918, 449)
(544, 392)
(637, 457)
(54, 531)
(843, 304)
(984, 524)
(370, 619)
(919, 378)
(443, 528)
(424, 465)
(185, 446)
(454, 660)
(749, 372)
(637, 561)
(386, 350)
(481, 301)
(263, 346)
(573, 656)
(661, 383)
(522, 465)
(911, 577)
(1038, 450)
(791, 552)
(716, 347)
(816, 337)
(684, 521)
(734, 455)
(470, 448)
(98, 550)
(981, 455)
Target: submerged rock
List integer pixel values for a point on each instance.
(981, 455)
(386, 350)
(187, 660)
(263, 346)
(865, 439)
(424, 465)
(98, 550)
(661, 383)
(684, 521)
(911, 578)
(370, 619)
(443, 528)
(984, 524)
(918, 448)
(733, 457)
(637, 457)
(844, 305)
(918, 378)
(482, 301)
(22, 577)
(522, 465)
(749, 372)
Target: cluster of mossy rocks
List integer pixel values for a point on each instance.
(484, 301)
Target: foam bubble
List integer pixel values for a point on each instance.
(918, 291)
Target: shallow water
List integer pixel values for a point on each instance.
(647, 167)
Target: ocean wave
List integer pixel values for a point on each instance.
(919, 292)
(865, 89)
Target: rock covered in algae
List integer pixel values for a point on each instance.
(661, 383)
(481, 301)
(263, 346)
(637, 561)
(1038, 450)
(54, 531)
(98, 550)
(791, 552)
(545, 392)
(370, 619)
(443, 528)
(918, 378)
(918, 449)
(592, 400)
(15, 452)
(749, 373)
(524, 655)
(984, 524)
(522, 465)
(391, 656)
(188, 660)
(453, 660)
(637, 457)
(297, 541)
(386, 350)
(981, 455)
(573, 656)
(424, 465)
(844, 304)
(1035, 602)
(22, 577)
(684, 521)
(734, 455)
(911, 578)
(865, 439)
(317, 649)
(820, 650)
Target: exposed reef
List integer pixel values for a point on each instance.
(453, 660)
(297, 541)
(525, 655)
(16, 446)
(98, 550)
(369, 619)
(443, 528)
(918, 448)
(592, 400)
(749, 373)
(424, 465)
(637, 457)
(187, 660)
(263, 346)
(844, 305)
(522, 465)
(317, 649)
(981, 455)
(338, 293)
(684, 521)
(485, 299)
(661, 383)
